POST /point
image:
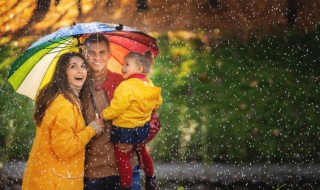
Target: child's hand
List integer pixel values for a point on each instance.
(99, 121)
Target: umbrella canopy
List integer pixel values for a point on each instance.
(34, 69)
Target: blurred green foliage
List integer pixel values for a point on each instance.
(254, 101)
(224, 101)
(16, 123)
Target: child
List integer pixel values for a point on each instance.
(130, 110)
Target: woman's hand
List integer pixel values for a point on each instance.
(98, 126)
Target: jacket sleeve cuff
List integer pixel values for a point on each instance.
(91, 130)
(98, 129)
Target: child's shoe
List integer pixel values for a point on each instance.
(151, 183)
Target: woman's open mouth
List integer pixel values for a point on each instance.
(79, 78)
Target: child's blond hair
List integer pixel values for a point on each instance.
(143, 59)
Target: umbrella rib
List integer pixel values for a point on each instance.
(59, 42)
(60, 50)
(69, 46)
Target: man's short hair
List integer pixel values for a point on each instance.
(95, 38)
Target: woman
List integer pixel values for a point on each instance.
(56, 160)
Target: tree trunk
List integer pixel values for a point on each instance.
(43, 5)
(79, 7)
(109, 2)
(292, 12)
(215, 3)
(142, 5)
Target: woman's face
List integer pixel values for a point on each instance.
(76, 72)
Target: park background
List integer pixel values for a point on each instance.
(240, 80)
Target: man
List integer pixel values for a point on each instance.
(101, 172)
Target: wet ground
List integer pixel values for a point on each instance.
(194, 176)
(239, 177)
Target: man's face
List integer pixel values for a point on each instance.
(97, 55)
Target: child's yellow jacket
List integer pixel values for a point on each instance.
(132, 103)
(56, 159)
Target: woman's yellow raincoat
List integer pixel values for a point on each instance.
(56, 159)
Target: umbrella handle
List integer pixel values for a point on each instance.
(96, 114)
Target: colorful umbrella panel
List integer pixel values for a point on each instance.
(34, 69)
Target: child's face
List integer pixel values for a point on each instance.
(131, 67)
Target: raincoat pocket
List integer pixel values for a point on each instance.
(66, 174)
(65, 180)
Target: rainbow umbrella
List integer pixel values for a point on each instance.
(34, 69)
